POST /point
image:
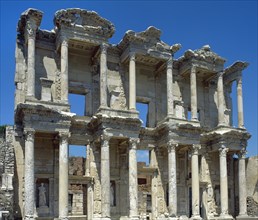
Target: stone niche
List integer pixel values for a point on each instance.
(42, 197)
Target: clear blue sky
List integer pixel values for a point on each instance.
(229, 27)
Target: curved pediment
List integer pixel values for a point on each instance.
(87, 21)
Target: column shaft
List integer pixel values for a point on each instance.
(170, 98)
(31, 64)
(103, 75)
(193, 94)
(240, 103)
(195, 182)
(132, 82)
(220, 100)
(223, 181)
(242, 183)
(105, 178)
(63, 176)
(29, 187)
(133, 180)
(64, 70)
(172, 183)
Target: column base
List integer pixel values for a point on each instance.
(29, 217)
(245, 217)
(105, 218)
(63, 218)
(134, 218)
(196, 217)
(173, 218)
(226, 216)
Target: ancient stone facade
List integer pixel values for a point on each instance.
(189, 134)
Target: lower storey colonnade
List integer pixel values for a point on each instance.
(191, 204)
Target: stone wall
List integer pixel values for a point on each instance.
(252, 185)
(6, 172)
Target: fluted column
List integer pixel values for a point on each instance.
(172, 183)
(31, 34)
(103, 75)
(193, 94)
(105, 177)
(133, 179)
(195, 182)
(29, 187)
(170, 99)
(64, 70)
(242, 183)
(63, 175)
(132, 82)
(240, 108)
(223, 181)
(221, 100)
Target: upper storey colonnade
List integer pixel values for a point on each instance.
(89, 27)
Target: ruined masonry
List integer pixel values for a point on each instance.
(197, 163)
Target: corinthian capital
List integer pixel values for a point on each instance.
(171, 145)
(223, 152)
(103, 48)
(29, 134)
(133, 142)
(242, 153)
(195, 149)
(64, 137)
(31, 29)
(132, 56)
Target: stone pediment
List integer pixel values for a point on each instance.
(148, 39)
(203, 54)
(86, 21)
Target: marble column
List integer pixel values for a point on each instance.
(87, 163)
(223, 181)
(221, 100)
(242, 183)
(64, 70)
(29, 186)
(172, 183)
(105, 177)
(170, 98)
(132, 82)
(63, 175)
(103, 75)
(31, 35)
(240, 109)
(133, 179)
(193, 88)
(195, 182)
(90, 200)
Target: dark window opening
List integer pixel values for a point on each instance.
(149, 203)
(142, 181)
(112, 193)
(70, 202)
